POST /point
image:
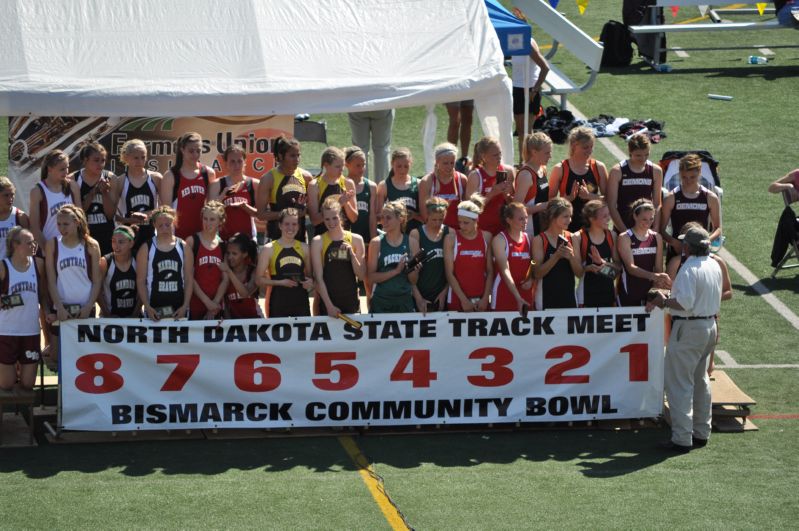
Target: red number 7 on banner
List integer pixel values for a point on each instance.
(185, 366)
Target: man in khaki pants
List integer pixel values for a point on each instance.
(694, 302)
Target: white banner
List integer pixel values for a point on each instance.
(399, 369)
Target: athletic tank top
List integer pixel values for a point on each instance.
(119, 288)
(207, 274)
(687, 209)
(189, 198)
(73, 275)
(537, 193)
(288, 262)
(339, 277)
(409, 198)
(432, 279)
(165, 275)
(100, 227)
(48, 208)
(363, 200)
(519, 254)
(387, 259)
(490, 218)
(21, 320)
(469, 267)
(237, 219)
(633, 290)
(453, 192)
(595, 290)
(589, 179)
(239, 307)
(287, 192)
(326, 190)
(137, 199)
(556, 289)
(633, 186)
(6, 225)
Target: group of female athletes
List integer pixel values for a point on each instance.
(183, 244)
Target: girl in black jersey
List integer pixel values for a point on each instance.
(284, 266)
(119, 297)
(165, 269)
(138, 188)
(365, 194)
(556, 262)
(596, 245)
(328, 183)
(96, 195)
(531, 187)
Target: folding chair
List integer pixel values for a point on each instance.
(786, 235)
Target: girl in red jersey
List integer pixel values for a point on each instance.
(237, 192)
(210, 284)
(599, 257)
(54, 191)
(328, 183)
(513, 283)
(641, 253)
(284, 186)
(531, 184)
(241, 298)
(633, 179)
(467, 260)
(556, 263)
(580, 178)
(284, 266)
(444, 182)
(491, 179)
(10, 216)
(185, 186)
(22, 276)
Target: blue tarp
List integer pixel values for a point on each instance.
(514, 34)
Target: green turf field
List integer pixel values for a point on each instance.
(547, 479)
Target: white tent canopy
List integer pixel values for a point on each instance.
(250, 57)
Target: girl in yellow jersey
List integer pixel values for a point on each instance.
(329, 183)
(284, 267)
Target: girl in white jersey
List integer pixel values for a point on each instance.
(10, 216)
(20, 274)
(54, 191)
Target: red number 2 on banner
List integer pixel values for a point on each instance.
(579, 358)
(102, 366)
(185, 365)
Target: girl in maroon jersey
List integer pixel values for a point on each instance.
(483, 180)
(237, 192)
(241, 298)
(641, 253)
(444, 182)
(631, 179)
(210, 283)
(467, 260)
(580, 178)
(185, 186)
(531, 184)
(513, 283)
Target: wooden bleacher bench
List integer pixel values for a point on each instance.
(716, 24)
(565, 34)
(731, 406)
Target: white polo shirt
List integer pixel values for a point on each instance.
(697, 287)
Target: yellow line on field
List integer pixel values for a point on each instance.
(375, 486)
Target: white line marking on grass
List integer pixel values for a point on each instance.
(680, 52)
(725, 357)
(760, 366)
(765, 51)
(758, 286)
(727, 256)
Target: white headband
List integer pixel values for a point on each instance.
(446, 151)
(462, 213)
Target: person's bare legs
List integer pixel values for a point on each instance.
(454, 112)
(467, 113)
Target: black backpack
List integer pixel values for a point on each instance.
(618, 44)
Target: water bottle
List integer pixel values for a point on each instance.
(663, 68)
(756, 60)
